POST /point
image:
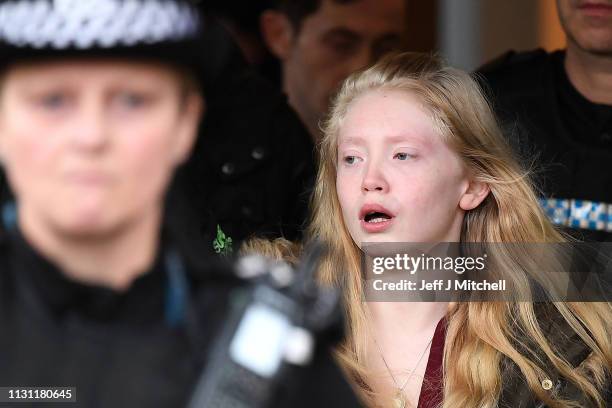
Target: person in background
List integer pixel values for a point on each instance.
(320, 42)
(559, 107)
(253, 164)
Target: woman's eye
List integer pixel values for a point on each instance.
(401, 156)
(350, 159)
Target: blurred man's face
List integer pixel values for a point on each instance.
(89, 146)
(588, 24)
(335, 41)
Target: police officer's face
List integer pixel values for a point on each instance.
(588, 24)
(335, 41)
(89, 146)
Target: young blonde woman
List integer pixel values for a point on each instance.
(412, 153)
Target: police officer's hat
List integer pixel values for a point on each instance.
(167, 30)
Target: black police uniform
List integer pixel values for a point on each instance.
(125, 349)
(569, 137)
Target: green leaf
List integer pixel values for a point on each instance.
(222, 244)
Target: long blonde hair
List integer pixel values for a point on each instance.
(479, 334)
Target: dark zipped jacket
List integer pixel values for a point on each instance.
(253, 165)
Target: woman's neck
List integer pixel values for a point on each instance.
(402, 334)
(113, 259)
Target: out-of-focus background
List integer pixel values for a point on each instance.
(467, 32)
(471, 32)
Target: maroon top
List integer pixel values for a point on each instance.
(431, 391)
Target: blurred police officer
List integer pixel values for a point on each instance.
(99, 103)
(91, 130)
(562, 103)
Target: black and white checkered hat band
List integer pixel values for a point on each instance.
(84, 24)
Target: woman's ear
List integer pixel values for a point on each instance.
(476, 192)
(277, 33)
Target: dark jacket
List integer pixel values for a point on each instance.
(555, 128)
(515, 392)
(253, 164)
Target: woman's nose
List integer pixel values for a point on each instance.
(374, 180)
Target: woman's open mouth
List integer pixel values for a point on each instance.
(375, 218)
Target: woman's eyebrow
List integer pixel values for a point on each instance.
(352, 141)
(408, 138)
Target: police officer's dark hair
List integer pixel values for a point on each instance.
(297, 10)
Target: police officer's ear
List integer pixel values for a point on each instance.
(277, 32)
(189, 121)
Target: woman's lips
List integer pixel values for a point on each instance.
(379, 226)
(375, 218)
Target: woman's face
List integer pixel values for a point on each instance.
(90, 145)
(397, 181)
